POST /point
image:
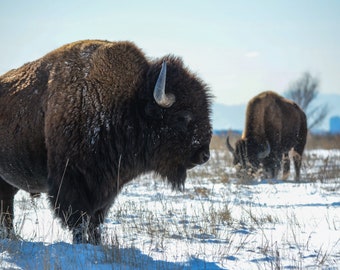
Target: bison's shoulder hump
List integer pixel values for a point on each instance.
(99, 50)
(122, 51)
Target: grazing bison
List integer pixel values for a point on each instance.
(87, 118)
(274, 125)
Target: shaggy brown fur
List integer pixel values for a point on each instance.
(81, 122)
(274, 125)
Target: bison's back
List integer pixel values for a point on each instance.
(276, 119)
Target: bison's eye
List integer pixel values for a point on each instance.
(183, 120)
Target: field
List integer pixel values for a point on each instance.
(218, 222)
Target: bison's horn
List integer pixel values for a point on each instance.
(264, 153)
(231, 149)
(162, 99)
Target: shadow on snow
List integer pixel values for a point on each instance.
(38, 255)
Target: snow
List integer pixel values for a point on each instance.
(214, 224)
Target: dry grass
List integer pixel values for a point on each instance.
(212, 221)
(326, 142)
(314, 168)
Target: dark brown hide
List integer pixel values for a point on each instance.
(82, 121)
(274, 125)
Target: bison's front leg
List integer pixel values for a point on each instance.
(7, 193)
(86, 231)
(272, 165)
(71, 202)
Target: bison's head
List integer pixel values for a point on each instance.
(248, 155)
(178, 114)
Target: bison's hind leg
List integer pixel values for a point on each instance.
(298, 150)
(297, 164)
(7, 193)
(285, 165)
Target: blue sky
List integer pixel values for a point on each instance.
(239, 48)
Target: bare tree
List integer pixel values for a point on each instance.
(303, 91)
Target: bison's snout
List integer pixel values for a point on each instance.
(204, 156)
(201, 156)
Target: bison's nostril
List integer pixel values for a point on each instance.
(205, 157)
(201, 156)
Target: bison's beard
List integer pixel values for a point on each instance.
(176, 177)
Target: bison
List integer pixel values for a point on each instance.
(87, 118)
(274, 126)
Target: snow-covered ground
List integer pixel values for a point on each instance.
(218, 222)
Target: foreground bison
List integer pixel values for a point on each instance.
(274, 125)
(87, 118)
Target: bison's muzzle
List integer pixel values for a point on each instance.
(201, 156)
